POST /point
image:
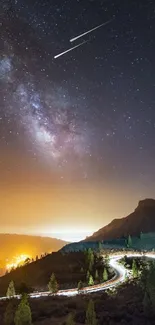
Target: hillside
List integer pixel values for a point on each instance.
(36, 275)
(14, 245)
(141, 220)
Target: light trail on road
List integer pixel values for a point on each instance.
(120, 275)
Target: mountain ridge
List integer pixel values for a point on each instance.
(142, 219)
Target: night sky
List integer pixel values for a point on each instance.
(77, 133)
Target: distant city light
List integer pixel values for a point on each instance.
(70, 235)
(17, 261)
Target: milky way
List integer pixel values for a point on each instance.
(47, 114)
(90, 114)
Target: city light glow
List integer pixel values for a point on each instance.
(17, 261)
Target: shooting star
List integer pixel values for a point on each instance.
(89, 31)
(72, 48)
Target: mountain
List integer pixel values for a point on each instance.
(13, 245)
(141, 220)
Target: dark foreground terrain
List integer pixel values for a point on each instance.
(122, 307)
(36, 275)
(68, 268)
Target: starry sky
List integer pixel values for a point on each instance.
(77, 133)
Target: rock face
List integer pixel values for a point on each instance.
(141, 220)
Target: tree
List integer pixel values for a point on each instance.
(106, 259)
(24, 288)
(134, 269)
(126, 276)
(91, 314)
(105, 275)
(53, 285)
(90, 259)
(129, 242)
(70, 319)
(23, 313)
(80, 285)
(96, 275)
(99, 246)
(88, 275)
(11, 290)
(9, 314)
(141, 235)
(27, 261)
(91, 281)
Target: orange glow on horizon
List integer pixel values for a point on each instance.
(17, 261)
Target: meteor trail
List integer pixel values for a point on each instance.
(89, 31)
(72, 48)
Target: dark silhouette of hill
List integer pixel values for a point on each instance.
(141, 220)
(36, 275)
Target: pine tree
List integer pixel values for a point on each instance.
(80, 285)
(11, 290)
(23, 313)
(90, 259)
(91, 281)
(87, 276)
(99, 246)
(106, 259)
(53, 285)
(141, 235)
(129, 242)
(90, 314)
(9, 314)
(96, 275)
(126, 277)
(134, 269)
(105, 275)
(70, 319)
(25, 298)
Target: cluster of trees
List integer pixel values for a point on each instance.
(90, 265)
(133, 264)
(90, 315)
(145, 274)
(129, 243)
(53, 284)
(21, 316)
(148, 284)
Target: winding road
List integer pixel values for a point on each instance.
(120, 275)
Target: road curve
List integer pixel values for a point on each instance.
(120, 275)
